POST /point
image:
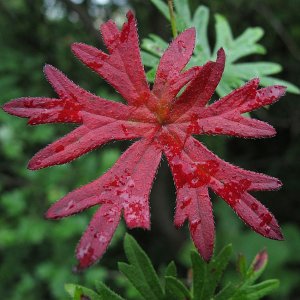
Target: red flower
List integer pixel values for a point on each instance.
(164, 122)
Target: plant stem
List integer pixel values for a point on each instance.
(172, 18)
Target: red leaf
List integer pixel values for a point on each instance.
(171, 64)
(164, 123)
(98, 235)
(122, 68)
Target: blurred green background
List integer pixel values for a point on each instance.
(36, 255)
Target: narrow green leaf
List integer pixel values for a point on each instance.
(176, 287)
(138, 280)
(183, 14)
(162, 44)
(224, 87)
(262, 289)
(251, 70)
(249, 36)
(226, 293)
(223, 33)
(155, 45)
(200, 21)
(162, 7)
(199, 275)
(242, 265)
(149, 60)
(141, 270)
(265, 81)
(106, 293)
(151, 75)
(171, 269)
(236, 53)
(215, 270)
(77, 291)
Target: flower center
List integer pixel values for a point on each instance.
(162, 111)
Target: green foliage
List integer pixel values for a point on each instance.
(235, 73)
(37, 255)
(206, 279)
(281, 255)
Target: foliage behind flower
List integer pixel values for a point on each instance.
(164, 122)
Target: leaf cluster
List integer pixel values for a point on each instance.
(205, 282)
(236, 73)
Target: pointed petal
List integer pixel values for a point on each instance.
(44, 110)
(234, 100)
(98, 235)
(84, 139)
(195, 169)
(194, 204)
(174, 85)
(265, 96)
(225, 172)
(233, 125)
(123, 68)
(257, 216)
(110, 35)
(72, 93)
(201, 89)
(127, 183)
(232, 184)
(76, 201)
(173, 61)
(224, 116)
(201, 224)
(73, 101)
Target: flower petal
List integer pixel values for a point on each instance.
(127, 183)
(98, 235)
(68, 109)
(123, 68)
(172, 62)
(86, 138)
(257, 216)
(200, 90)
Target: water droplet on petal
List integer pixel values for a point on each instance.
(59, 148)
(254, 206)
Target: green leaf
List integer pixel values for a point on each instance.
(262, 289)
(242, 265)
(155, 45)
(215, 270)
(235, 75)
(151, 75)
(175, 287)
(171, 269)
(140, 271)
(249, 36)
(106, 293)
(183, 16)
(162, 7)
(226, 293)
(77, 291)
(149, 60)
(199, 273)
(223, 33)
(207, 276)
(200, 22)
(265, 81)
(224, 88)
(251, 70)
